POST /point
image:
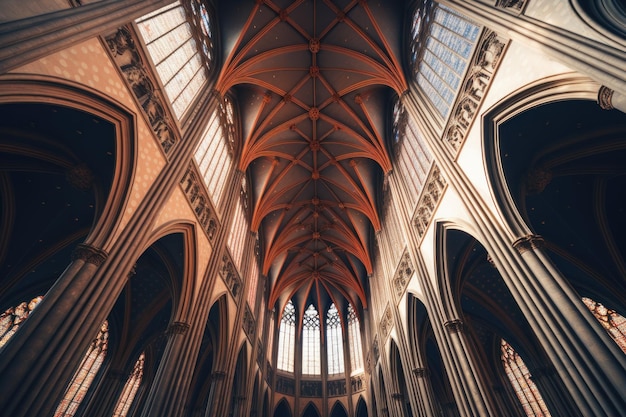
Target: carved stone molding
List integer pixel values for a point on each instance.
(477, 80)
(198, 197)
(605, 98)
(89, 254)
(358, 383)
(178, 327)
(403, 274)
(231, 277)
(123, 48)
(386, 323)
(454, 326)
(513, 5)
(375, 350)
(529, 243)
(420, 372)
(287, 385)
(336, 388)
(249, 323)
(429, 198)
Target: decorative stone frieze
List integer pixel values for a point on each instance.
(142, 82)
(198, 198)
(311, 388)
(386, 323)
(336, 388)
(477, 80)
(89, 254)
(231, 277)
(403, 274)
(512, 5)
(420, 372)
(428, 200)
(358, 383)
(286, 385)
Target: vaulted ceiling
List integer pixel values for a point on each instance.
(313, 80)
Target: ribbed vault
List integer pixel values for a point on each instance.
(313, 79)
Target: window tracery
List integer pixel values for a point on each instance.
(130, 388)
(13, 317)
(613, 322)
(335, 342)
(354, 341)
(443, 41)
(311, 364)
(86, 373)
(287, 339)
(520, 378)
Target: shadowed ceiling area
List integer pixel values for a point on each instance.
(313, 80)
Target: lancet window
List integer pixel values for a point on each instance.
(130, 388)
(311, 361)
(613, 323)
(86, 373)
(287, 339)
(334, 343)
(520, 378)
(13, 317)
(354, 341)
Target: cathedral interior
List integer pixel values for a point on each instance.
(313, 208)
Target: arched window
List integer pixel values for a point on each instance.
(520, 379)
(85, 374)
(287, 338)
(443, 41)
(13, 317)
(613, 323)
(130, 388)
(334, 345)
(181, 48)
(413, 159)
(354, 341)
(214, 154)
(311, 361)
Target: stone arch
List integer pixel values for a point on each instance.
(310, 410)
(361, 408)
(282, 409)
(338, 410)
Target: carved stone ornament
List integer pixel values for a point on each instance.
(386, 323)
(454, 326)
(516, 5)
(249, 323)
(403, 274)
(89, 254)
(529, 243)
(231, 277)
(420, 372)
(198, 197)
(178, 327)
(123, 48)
(428, 200)
(477, 80)
(605, 98)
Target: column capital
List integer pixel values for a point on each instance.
(89, 254)
(178, 327)
(529, 243)
(420, 372)
(605, 98)
(218, 375)
(454, 325)
(397, 396)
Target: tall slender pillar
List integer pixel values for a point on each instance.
(472, 399)
(26, 40)
(545, 378)
(217, 379)
(589, 363)
(425, 399)
(164, 398)
(105, 399)
(40, 359)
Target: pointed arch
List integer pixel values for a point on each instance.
(283, 409)
(338, 410)
(361, 408)
(311, 410)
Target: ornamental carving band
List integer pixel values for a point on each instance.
(454, 326)
(89, 254)
(178, 327)
(420, 372)
(605, 98)
(529, 243)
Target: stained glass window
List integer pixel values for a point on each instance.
(130, 388)
(287, 338)
(13, 317)
(172, 40)
(334, 346)
(520, 379)
(311, 361)
(214, 152)
(354, 341)
(443, 41)
(85, 374)
(612, 322)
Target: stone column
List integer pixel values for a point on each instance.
(105, 399)
(545, 378)
(425, 399)
(164, 398)
(217, 379)
(472, 398)
(26, 40)
(41, 358)
(589, 363)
